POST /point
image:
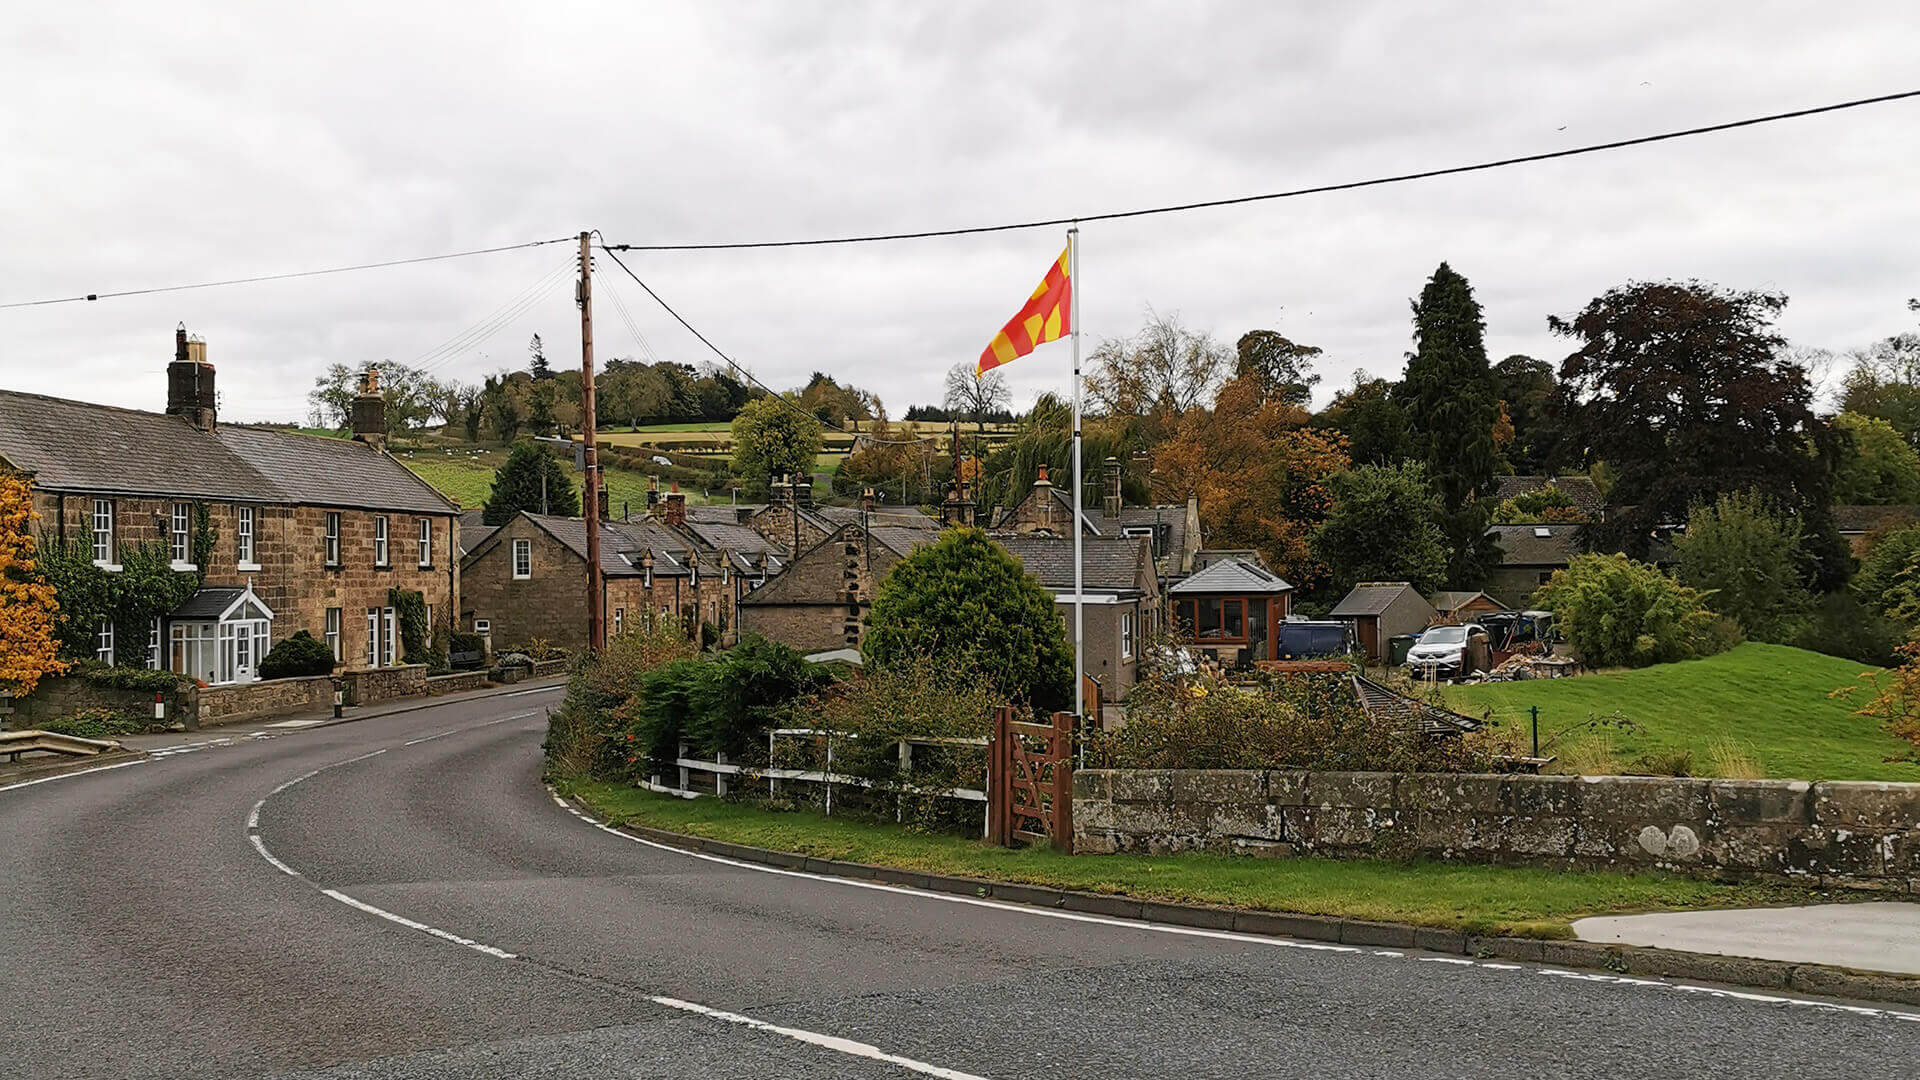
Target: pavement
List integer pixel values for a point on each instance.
(1872, 936)
(402, 897)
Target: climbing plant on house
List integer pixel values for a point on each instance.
(410, 607)
(29, 645)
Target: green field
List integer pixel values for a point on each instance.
(466, 478)
(1767, 702)
(1476, 899)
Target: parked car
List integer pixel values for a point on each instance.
(1449, 652)
(1301, 639)
(659, 459)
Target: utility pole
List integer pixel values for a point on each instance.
(596, 611)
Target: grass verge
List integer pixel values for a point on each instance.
(1763, 705)
(1474, 899)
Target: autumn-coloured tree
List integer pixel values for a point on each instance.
(28, 645)
(1260, 471)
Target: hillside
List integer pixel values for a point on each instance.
(1768, 702)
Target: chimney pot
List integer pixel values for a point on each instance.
(190, 387)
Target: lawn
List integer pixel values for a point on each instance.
(466, 478)
(1476, 899)
(1769, 702)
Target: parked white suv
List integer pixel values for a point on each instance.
(1450, 652)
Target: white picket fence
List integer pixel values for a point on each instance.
(721, 769)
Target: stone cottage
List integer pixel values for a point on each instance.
(311, 533)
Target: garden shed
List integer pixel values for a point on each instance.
(1382, 610)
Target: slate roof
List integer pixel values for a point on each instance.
(619, 539)
(722, 513)
(1523, 545)
(1232, 575)
(1371, 598)
(472, 536)
(209, 602)
(1851, 518)
(79, 446)
(1581, 489)
(1109, 564)
(896, 518)
(903, 541)
(729, 536)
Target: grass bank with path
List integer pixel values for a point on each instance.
(1768, 702)
(1472, 899)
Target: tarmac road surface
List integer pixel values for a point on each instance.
(401, 897)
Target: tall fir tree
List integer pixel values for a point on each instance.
(537, 364)
(1452, 406)
(518, 485)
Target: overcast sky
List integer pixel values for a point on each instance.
(150, 145)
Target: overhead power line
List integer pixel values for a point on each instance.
(1350, 185)
(282, 277)
(748, 375)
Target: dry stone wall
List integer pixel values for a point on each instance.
(1853, 834)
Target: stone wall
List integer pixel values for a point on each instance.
(227, 704)
(384, 684)
(456, 684)
(1854, 834)
(60, 697)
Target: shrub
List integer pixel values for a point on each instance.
(301, 654)
(462, 642)
(146, 680)
(95, 724)
(1302, 722)
(410, 609)
(751, 688)
(966, 604)
(1841, 625)
(1620, 613)
(587, 733)
(1745, 559)
(1886, 564)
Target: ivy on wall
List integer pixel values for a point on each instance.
(410, 608)
(146, 587)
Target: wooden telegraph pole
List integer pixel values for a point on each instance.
(596, 592)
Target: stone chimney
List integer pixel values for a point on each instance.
(674, 510)
(1041, 481)
(802, 492)
(1111, 504)
(190, 381)
(369, 414)
(958, 509)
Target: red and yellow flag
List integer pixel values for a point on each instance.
(1047, 316)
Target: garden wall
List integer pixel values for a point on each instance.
(375, 685)
(1854, 834)
(59, 697)
(456, 683)
(226, 704)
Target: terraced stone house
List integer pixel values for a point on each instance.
(311, 532)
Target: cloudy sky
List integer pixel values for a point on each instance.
(148, 147)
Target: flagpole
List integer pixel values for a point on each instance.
(1079, 503)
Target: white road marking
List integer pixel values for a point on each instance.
(535, 690)
(834, 1043)
(814, 1038)
(296, 723)
(70, 775)
(458, 730)
(1221, 935)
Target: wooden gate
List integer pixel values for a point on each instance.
(1030, 781)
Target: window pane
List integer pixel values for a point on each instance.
(1231, 623)
(1210, 616)
(1257, 626)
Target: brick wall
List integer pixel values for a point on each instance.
(1851, 834)
(292, 578)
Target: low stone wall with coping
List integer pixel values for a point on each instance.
(227, 704)
(1842, 833)
(457, 683)
(384, 684)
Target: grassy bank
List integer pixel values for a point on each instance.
(1767, 703)
(467, 477)
(1476, 899)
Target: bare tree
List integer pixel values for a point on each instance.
(1165, 367)
(974, 397)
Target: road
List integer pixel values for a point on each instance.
(401, 897)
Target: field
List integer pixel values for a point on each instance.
(1766, 703)
(466, 476)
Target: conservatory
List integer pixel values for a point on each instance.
(219, 635)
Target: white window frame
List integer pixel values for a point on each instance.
(388, 625)
(243, 550)
(380, 551)
(522, 550)
(426, 544)
(373, 637)
(181, 536)
(483, 626)
(331, 548)
(1127, 627)
(332, 631)
(103, 641)
(153, 643)
(619, 620)
(105, 555)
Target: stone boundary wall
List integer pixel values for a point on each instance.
(226, 704)
(543, 669)
(1852, 834)
(457, 683)
(375, 685)
(64, 695)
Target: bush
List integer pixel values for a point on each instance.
(753, 686)
(1888, 563)
(301, 654)
(1841, 625)
(1620, 613)
(1744, 557)
(587, 733)
(966, 604)
(146, 680)
(1303, 722)
(95, 724)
